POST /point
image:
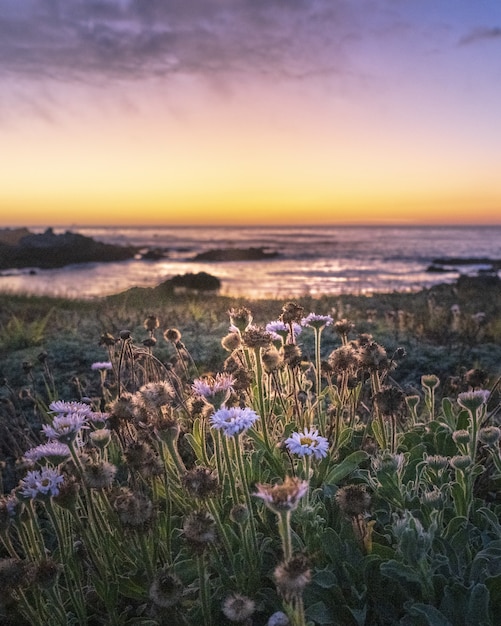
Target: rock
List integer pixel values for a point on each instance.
(197, 282)
(12, 236)
(235, 254)
(48, 250)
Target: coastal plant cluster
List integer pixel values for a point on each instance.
(279, 490)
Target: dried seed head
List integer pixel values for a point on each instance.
(231, 342)
(476, 378)
(133, 508)
(353, 500)
(99, 474)
(255, 337)
(344, 359)
(172, 335)
(166, 589)
(240, 318)
(200, 482)
(292, 576)
(151, 323)
(199, 528)
(343, 327)
(373, 357)
(238, 608)
(272, 360)
(390, 401)
(292, 312)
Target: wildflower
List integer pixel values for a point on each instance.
(153, 396)
(308, 443)
(239, 513)
(61, 406)
(107, 339)
(353, 500)
(10, 507)
(473, 400)
(436, 462)
(133, 508)
(54, 452)
(412, 402)
(240, 318)
(430, 381)
(489, 435)
(68, 493)
(100, 437)
(43, 483)
(200, 482)
(98, 418)
(234, 420)
(389, 463)
(476, 378)
(101, 365)
(461, 462)
(292, 355)
(99, 474)
(271, 359)
(292, 576)
(151, 323)
(279, 618)
(238, 608)
(434, 499)
(373, 357)
(218, 387)
(122, 410)
(282, 497)
(172, 335)
(66, 427)
(166, 590)
(343, 327)
(461, 436)
(316, 321)
(390, 401)
(278, 327)
(199, 528)
(256, 337)
(344, 359)
(137, 454)
(231, 342)
(291, 312)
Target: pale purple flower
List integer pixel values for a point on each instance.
(60, 406)
(283, 497)
(101, 365)
(234, 420)
(210, 386)
(97, 418)
(53, 451)
(308, 443)
(317, 321)
(473, 400)
(65, 428)
(278, 327)
(44, 483)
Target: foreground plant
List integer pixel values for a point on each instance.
(144, 504)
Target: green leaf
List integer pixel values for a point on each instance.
(346, 467)
(478, 607)
(325, 579)
(400, 571)
(433, 616)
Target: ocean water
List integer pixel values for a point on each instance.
(312, 260)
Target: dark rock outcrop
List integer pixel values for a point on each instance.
(235, 254)
(197, 282)
(48, 250)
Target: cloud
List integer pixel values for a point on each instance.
(481, 34)
(83, 40)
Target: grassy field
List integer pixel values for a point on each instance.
(349, 476)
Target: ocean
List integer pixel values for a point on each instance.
(311, 260)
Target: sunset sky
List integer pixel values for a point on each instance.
(249, 111)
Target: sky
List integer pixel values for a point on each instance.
(135, 112)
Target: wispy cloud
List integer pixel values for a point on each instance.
(118, 38)
(481, 34)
